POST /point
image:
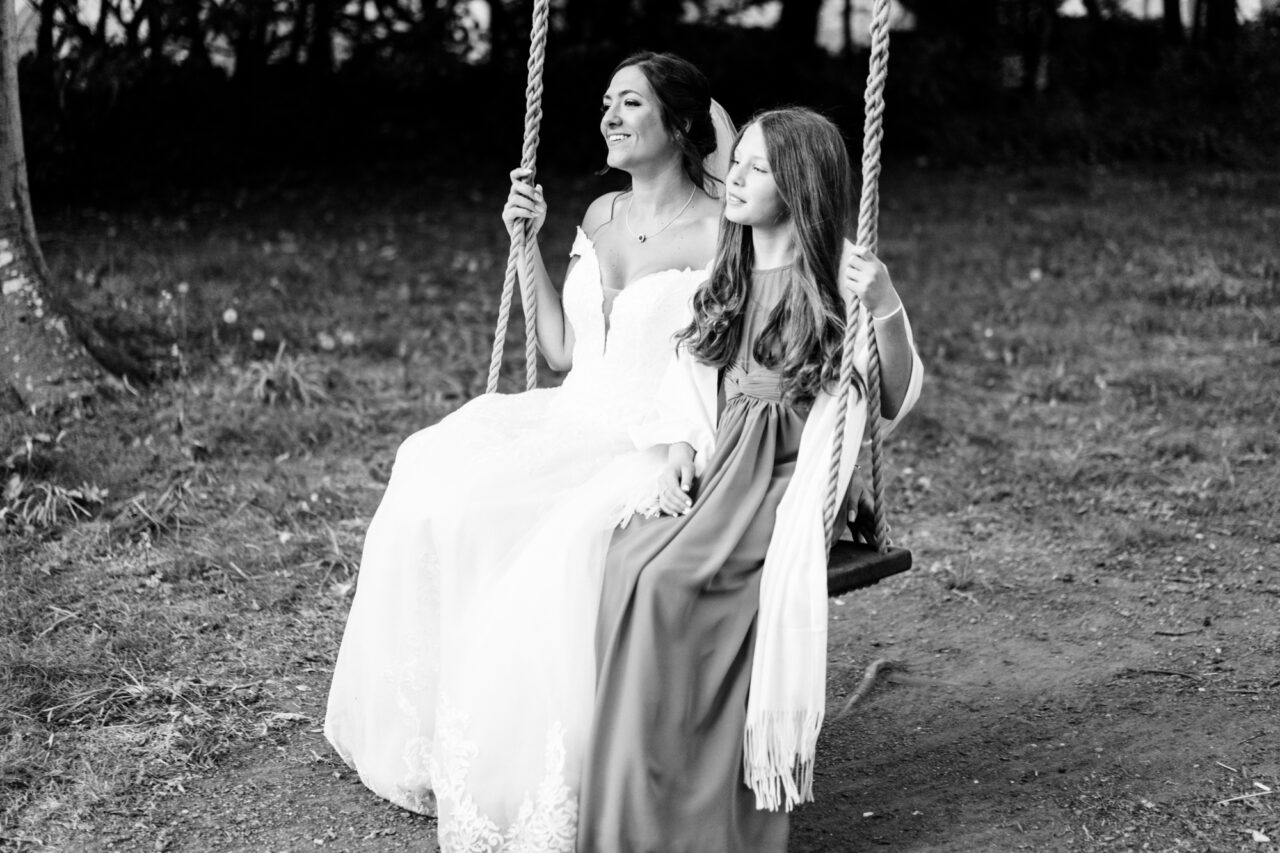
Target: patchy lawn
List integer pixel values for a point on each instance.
(1090, 486)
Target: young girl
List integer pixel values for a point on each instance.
(713, 614)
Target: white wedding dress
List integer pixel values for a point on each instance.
(464, 683)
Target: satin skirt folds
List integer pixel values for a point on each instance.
(674, 640)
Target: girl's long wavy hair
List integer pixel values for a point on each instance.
(804, 335)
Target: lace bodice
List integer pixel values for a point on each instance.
(616, 372)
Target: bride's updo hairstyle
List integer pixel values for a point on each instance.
(684, 102)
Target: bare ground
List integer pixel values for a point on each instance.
(1091, 634)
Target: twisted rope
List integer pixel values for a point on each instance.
(521, 238)
(868, 214)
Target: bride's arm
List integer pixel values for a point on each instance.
(555, 334)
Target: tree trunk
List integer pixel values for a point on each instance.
(320, 50)
(155, 32)
(1220, 26)
(798, 28)
(599, 22)
(100, 25)
(193, 27)
(298, 34)
(657, 20)
(1174, 33)
(42, 361)
(1039, 20)
(846, 29)
(251, 42)
(132, 28)
(44, 35)
(501, 33)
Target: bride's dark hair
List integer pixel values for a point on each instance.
(684, 102)
(804, 335)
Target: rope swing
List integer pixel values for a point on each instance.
(521, 238)
(853, 565)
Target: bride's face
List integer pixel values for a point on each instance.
(631, 121)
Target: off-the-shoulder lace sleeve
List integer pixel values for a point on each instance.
(581, 244)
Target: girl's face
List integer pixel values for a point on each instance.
(752, 196)
(631, 121)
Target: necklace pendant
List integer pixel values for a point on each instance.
(641, 237)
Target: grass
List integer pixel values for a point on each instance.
(1098, 348)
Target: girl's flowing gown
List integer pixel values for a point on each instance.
(470, 636)
(678, 608)
(681, 607)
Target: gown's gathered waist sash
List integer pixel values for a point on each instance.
(757, 382)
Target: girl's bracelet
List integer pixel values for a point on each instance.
(888, 316)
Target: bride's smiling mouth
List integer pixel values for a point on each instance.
(615, 138)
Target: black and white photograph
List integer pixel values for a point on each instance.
(639, 426)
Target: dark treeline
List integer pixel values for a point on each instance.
(196, 91)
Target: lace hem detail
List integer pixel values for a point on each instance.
(547, 821)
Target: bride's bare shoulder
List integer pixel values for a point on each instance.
(706, 222)
(599, 212)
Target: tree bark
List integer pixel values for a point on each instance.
(41, 360)
(1174, 33)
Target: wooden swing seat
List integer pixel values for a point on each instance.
(854, 565)
(855, 562)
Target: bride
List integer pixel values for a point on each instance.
(442, 681)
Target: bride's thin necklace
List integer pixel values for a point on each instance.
(642, 237)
